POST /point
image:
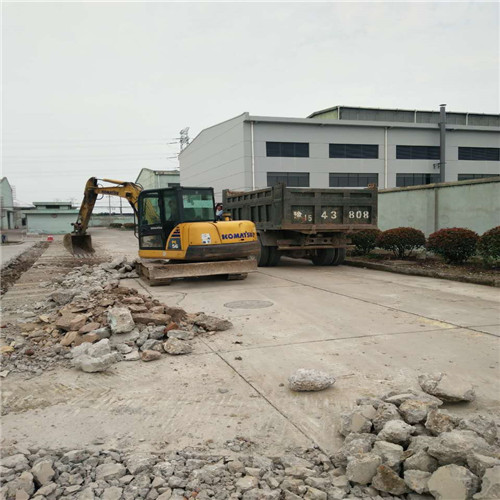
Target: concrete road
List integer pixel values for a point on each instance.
(373, 331)
(9, 252)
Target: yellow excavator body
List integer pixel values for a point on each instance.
(177, 225)
(208, 241)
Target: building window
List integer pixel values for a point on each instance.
(468, 177)
(403, 180)
(288, 149)
(479, 154)
(353, 180)
(368, 151)
(290, 179)
(417, 152)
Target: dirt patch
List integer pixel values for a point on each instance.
(13, 271)
(432, 267)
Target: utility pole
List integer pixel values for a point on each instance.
(442, 142)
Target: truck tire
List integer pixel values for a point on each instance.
(323, 257)
(339, 257)
(274, 256)
(263, 257)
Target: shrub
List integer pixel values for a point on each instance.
(116, 224)
(455, 244)
(401, 240)
(129, 225)
(489, 245)
(365, 240)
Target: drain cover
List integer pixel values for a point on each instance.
(248, 304)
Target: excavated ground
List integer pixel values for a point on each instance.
(373, 331)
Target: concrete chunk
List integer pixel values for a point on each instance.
(388, 481)
(453, 482)
(446, 387)
(120, 320)
(310, 380)
(362, 468)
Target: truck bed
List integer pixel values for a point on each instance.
(306, 210)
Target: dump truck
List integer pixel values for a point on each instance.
(304, 222)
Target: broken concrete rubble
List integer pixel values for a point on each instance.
(410, 457)
(94, 358)
(97, 307)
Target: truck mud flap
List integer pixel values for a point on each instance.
(162, 273)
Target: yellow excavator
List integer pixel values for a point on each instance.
(177, 229)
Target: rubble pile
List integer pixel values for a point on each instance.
(403, 444)
(187, 474)
(93, 322)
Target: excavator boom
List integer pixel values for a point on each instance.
(78, 242)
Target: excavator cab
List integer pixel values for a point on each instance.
(162, 210)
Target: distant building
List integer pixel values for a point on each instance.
(6, 205)
(51, 217)
(154, 179)
(342, 147)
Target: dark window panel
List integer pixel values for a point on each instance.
(288, 149)
(291, 179)
(468, 177)
(404, 180)
(352, 180)
(366, 151)
(479, 154)
(417, 152)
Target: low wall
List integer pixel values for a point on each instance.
(471, 204)
(106, 220)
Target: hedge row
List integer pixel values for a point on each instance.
(455, 244)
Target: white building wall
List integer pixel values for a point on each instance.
(59, 223)
(221, 156)
(218, 157)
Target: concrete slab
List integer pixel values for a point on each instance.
(452, 303)
(372, 330)
(167, 404)
(9, 252)
(368, 367)
(491, 329)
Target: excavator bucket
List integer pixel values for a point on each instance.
(78, 244)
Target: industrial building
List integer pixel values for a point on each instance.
(343, 147)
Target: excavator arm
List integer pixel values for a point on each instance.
(78, 242)
(128, 190)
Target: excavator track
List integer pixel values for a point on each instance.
(163, 272)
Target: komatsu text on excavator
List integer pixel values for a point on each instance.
(175, 224)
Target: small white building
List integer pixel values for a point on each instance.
(154, 179)
(6, 205)
(51, 217)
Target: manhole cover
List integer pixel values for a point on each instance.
(248, 304)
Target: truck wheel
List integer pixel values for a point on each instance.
(339, 257)
(323, 257)
(274, 256)
(263, 257)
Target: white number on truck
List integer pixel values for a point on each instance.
(359, 214)
(332, 215)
